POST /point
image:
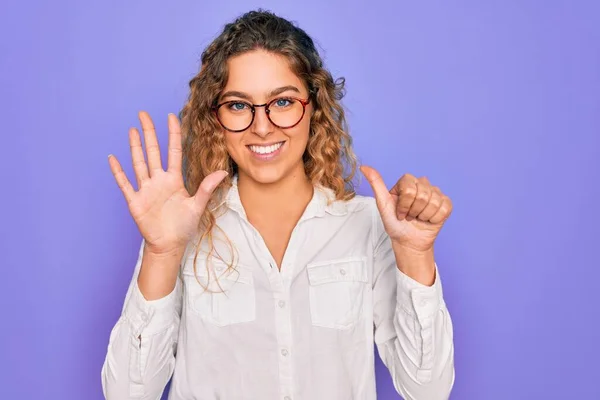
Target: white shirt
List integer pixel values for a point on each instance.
(303, 333)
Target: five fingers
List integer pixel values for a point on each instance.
(144, 171)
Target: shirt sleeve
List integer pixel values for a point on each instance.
(413, 328)
(141, 351)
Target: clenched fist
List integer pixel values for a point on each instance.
(413, 211)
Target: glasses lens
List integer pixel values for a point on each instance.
(285, 112)
(235, 115)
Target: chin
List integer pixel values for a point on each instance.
(266, 175)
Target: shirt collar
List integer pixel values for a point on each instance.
(323, 202)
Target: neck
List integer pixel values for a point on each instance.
(290, 194)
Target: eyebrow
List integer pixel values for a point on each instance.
(282, 89)
(274, 92)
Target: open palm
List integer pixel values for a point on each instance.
(166, 215)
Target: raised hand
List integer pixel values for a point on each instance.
(166, 215)
(413, 211)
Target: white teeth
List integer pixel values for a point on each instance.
(266, 149)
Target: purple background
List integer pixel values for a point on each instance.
(497, 102)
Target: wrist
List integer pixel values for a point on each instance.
(158, 273)
(163, 252)
(416, 264)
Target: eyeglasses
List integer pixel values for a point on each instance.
(283, 112)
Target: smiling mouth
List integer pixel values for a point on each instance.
(265, 150)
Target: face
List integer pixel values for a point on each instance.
(265, 152)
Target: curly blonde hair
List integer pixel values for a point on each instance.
(329, 160)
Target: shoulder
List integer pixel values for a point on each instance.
(362, 210)
(366, 207)
(360, 203)
(361, 217)
(326, 200)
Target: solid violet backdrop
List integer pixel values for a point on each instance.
(497, 102)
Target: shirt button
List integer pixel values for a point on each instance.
(343, 271)
(281, 303)
(284, 352)
(423, 303)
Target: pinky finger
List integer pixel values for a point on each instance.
(121, 178)
(444, 212)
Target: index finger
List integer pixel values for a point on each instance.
(406, 189)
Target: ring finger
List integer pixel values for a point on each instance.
(137, 157)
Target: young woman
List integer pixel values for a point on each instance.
(262, 275)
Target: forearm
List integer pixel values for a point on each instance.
(140, 357)
(420, 355)
(138, 368)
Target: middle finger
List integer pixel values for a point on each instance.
(421, 199)
(152, 149)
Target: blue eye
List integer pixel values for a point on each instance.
(282, 103)
(236, 106)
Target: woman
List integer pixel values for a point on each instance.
(266, 276)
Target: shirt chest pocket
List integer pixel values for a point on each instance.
(218, 297)
(336, 291)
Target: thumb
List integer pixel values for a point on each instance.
(207, 187)
(380, 191)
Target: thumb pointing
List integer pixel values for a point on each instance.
(380, 190)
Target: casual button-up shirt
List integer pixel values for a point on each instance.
(303, 332)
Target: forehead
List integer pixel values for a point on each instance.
(258, 72)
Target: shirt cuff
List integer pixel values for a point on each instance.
(148, 317)
(419, 300)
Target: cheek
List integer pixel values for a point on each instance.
(302, 131)
(234, 144)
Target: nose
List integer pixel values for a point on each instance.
(261, 125)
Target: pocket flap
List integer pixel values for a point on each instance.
(218, 269)
(351, 269)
